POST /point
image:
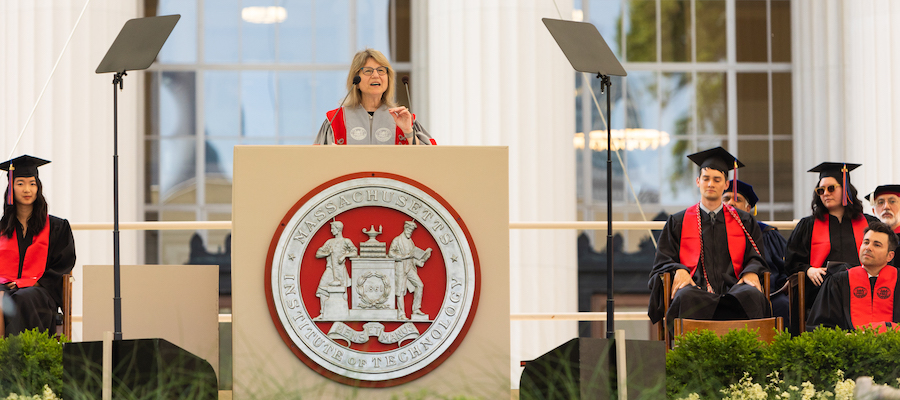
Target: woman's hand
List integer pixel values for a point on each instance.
(403, 118)
(816, 275)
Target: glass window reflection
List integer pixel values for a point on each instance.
(177, 103)
(606, 15)
(181, 47)
(676, 97)
(712, 103)
(675, 35)
(221, 31)
(643, 104)
(640, 30)
(258, 104)
(372, 28)
(332, 36)
(294, 44)
(257, 37)
(177, 171)
(711, 42)
(222, 103)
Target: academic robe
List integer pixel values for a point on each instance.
(844, 248)
(773, 249)
(832, 306)
(730, 301)
(35, 306)
(355, 126)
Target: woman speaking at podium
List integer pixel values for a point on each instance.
(369, 113)
(36, 250)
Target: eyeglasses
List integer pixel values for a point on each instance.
(882, 202)
(830, 188)
(367, 71)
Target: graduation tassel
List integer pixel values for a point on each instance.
(9, 189)
(734, 181)
(754, 211)
(845, 199)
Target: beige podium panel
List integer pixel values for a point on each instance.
(270, 180)
(179, 303)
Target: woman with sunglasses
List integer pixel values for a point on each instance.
(369, 113)
(828, 240)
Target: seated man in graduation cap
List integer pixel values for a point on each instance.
(863, 295)
(36, 250)
(741, 196)
(711, 250)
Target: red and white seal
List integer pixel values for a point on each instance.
(372, 279)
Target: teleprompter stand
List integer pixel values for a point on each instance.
(140, 366)
(586, 367)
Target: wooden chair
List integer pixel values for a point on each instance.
(795, 288)
(767, 326)
(64, 319)
(667, 296)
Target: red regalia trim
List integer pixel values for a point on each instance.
(339, 127)
(821, 240)
(35, 258)
(689, 252)
(877, 306)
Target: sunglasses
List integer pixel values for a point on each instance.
(830, 188)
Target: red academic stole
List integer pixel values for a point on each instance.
(35, 258)
(689, 253)
(821, 241)
(340, 130)
(872, 308)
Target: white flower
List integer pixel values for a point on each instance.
(844, 390)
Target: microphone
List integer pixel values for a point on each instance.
(356, 80)
(405, 80)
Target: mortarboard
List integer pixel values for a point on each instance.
(893, 189)
(718, 159)
(746, 190)
(21, 167)
(838, 171)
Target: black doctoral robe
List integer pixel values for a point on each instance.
(719, 270)
(35, 307)
(840, 234)
(832, 306)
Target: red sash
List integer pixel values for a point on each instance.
(897, 231)
(35, 258)
(821, 240)
(872, 308)
(340, 129)
(689, 253)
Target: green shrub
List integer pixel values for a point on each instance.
(704, 363)
(29, 361)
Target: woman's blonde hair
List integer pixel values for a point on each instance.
(359, 60)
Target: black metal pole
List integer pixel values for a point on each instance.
(117, 297)
(610, 303)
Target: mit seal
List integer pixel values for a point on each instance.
(372, 279)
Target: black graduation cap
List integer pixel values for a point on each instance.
(23, 166)
(20, 167)
(834, 170)
(895, 189)
(746, 190)
(718, 159)
(840, 172)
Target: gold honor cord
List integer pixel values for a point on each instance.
(47, 83)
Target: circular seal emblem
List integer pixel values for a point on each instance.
(358, 133)
(372, 279)
(383, 135)
(883, 293)
(860, 292)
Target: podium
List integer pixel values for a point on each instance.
(321, 227)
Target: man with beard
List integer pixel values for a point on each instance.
(885, 202)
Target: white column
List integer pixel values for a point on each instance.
(846, 59)
(496, 77)
(72, 125)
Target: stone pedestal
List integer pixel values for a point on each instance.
(334, 308)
